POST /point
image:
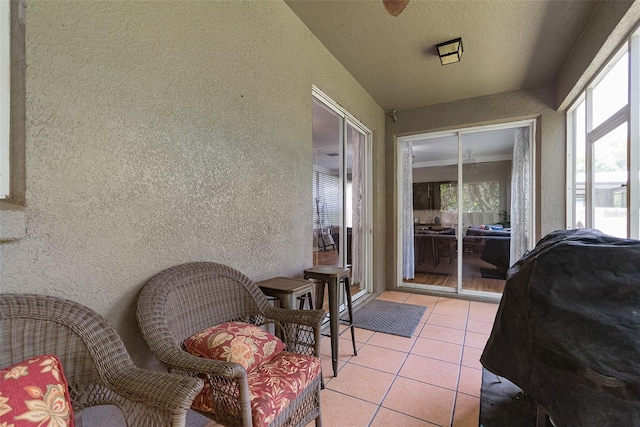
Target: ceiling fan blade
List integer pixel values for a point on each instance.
(394, 7)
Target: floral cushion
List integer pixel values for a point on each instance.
(34, 392)
(238, 342)
(272, 385)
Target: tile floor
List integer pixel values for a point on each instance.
(430, 379)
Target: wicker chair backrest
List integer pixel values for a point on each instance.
(32, 325)
(190, 297)
(96, 363)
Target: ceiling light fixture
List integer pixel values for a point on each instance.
(450, 52)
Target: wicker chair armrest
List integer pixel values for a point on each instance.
(176, 358)
(312, 318)
(301, 328)
(162, 390)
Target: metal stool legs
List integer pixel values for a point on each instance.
(333, 277)
(303, 298)
(347, 295)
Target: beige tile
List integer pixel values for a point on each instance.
(428, 301)
(475, 339)
(441, 333)
(452, 307)
(470, 381)
(471, 357)
(431, 371)
(447, 321)
(393, 342)
(345, 411)
(345, 348)
(386, 417)
(420, 400)
(382, 359)
(327, 367)
(484, 311)
(479, 326)
(361, 382)
(441, 358)
(437, 350)
(325, 346)
(362, 335)
(393, 296)
(467, 411)
(423, 319)
(344, 331)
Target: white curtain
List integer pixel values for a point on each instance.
(408, 259)
(357, 230)
(520, 194)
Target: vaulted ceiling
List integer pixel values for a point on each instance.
(508, 45)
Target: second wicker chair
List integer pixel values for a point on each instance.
(183, 300)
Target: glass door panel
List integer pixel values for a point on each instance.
(610, 182)
(354, 237)
(486, 175)
(471, 208)
(340, 203)
(435, 212)
(328, 208)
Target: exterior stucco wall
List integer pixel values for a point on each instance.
(610, 24)
(159, 133)
(498, 108)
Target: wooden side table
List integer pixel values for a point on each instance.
(288, 291)
(333, 277)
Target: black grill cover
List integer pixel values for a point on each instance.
(568, 328)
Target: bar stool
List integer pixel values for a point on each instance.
(285, 292)
(333, 277)
(288, 291)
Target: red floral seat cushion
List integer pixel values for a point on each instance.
(238, 342)
(34, 392)
(273, 385)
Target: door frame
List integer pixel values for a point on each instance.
(460, 132)
(367, 227)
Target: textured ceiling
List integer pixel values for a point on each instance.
(508, 45)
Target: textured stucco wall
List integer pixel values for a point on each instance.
(165, 132)
(499, 108)
(609, 25)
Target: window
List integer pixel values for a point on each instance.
(12, 120)
(5, 83)
(602, 149)
(477, 197)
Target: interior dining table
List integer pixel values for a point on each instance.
(428, 245)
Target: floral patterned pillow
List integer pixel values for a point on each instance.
(238, 342)
(34, 392)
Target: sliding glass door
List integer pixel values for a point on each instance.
(341, 198)
(466, 207)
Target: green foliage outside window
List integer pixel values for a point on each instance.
(476, 197)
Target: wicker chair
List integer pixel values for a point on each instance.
(96, 364)
(182, 300)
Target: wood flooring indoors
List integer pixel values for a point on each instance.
(444, 274)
